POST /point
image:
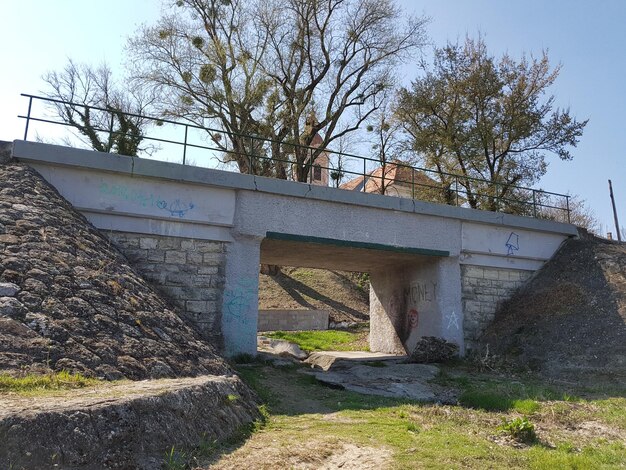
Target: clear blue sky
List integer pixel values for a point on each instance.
(587, 37)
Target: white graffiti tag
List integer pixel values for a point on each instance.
(453, 321)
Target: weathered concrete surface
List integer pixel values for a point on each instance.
(325, 360)
(292, 320)
(380, 376)
(416, 300)
(324, 228)
(128, 425)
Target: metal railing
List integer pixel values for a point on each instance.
(321, 166)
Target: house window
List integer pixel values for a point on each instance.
(317, 173)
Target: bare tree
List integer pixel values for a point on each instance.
(204, 62)
(108, 117)
(334, 59)
(339, 160)
(580, 214)
(264, 67)
(386, 143)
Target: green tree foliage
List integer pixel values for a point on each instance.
(486, 118)
(284, 70)
(106, 115)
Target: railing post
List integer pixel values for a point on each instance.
(249, 153)
(364, 172)
(185, 144)
(111, 132)
(534, 203)
(569, 221)
(30, 105)
(310, 166)
(496, 200)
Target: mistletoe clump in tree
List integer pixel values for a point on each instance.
(262, 68)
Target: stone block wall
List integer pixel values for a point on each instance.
(484, 289)
(188, 272)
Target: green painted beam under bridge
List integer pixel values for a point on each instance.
(285, 249)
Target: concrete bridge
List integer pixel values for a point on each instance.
(199, 235)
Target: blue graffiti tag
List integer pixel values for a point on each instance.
(512, 244)
(239, 301)
(175, 208)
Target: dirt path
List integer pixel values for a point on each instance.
(294, 438)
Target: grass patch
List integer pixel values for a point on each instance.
(527, 406)
(323, 340)
(53, 381)
(493, 401)
(437, 436)
(488, 401)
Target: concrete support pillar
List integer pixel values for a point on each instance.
(450, 302)
(387, 311)
(412, 301)
(241, 296)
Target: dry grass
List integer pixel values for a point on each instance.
(312, 426)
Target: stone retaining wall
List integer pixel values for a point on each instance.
(484, 289)
(292, 320)
(189, 272)
(122, 425)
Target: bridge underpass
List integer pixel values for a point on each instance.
(200, 235)
(402, 280)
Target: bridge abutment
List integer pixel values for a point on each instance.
(484, 289)
(240, 306)
(412, 301)
(190, 273)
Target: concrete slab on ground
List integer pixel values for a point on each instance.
(375, 374)
(326, 360)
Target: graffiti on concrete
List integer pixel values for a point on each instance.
(239, 302)
(413, 318)
(452, 321)
(421, 291)
(174, 207)
(512, 244)
(125, 193)
(396, 304)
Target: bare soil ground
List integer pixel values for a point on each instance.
(292, 394)
(345, 295)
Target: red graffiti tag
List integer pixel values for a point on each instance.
(413, 318)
